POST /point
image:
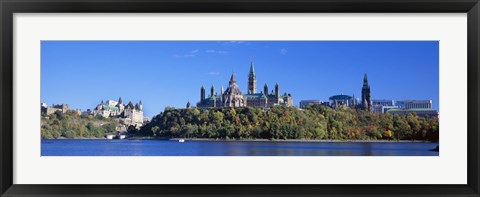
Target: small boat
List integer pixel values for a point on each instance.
(110, 137)
(181, 140)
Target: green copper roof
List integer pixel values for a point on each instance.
(213, 97)
(340, 97)
(108, 107)
(253, 96)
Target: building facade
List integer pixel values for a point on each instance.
(412, 104)
(47, 110)
(233, 96)
(380, 105)
(417, 111)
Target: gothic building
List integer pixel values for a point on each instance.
(130, 114)
(366, 98)
(233, 97)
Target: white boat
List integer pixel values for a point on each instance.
(122, 137)
(110, 137)
(181, 140)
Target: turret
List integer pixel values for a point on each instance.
(202, 94)
(140, 105)
(120, 100)
(137, 107)
(212, 91)
(188, 105)
(265, 89)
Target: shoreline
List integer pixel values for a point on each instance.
(250, 140)
(290, 140)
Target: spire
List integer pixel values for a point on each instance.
(365, 80)
(212, 90)
(120, 100)
(252, 80)
(252, 70)
(140, 102)
(232, 78)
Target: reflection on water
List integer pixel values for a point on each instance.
(221, 148)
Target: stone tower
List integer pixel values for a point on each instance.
(202, 94)
(366, 97)
(277, 91)
(252, 80)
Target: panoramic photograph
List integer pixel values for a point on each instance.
(239, 98)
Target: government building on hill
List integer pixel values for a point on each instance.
(233, 97)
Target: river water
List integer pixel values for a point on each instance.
(68, 147)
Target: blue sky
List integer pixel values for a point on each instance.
(170, 73)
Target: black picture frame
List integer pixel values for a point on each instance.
(9, 7)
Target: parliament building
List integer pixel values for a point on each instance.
(233, 97)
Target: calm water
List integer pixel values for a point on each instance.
(220, 148)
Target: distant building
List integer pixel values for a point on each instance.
(233, 97)
(342, 100)
(130, 114)
(417, 111)
(383, 102)
(378, 105)
(411, 104)
(47, 110)
(305, 103)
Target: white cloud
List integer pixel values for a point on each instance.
(213, 73)
(183, 56)
(189, 54)
(283, 51)
(215, 51)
